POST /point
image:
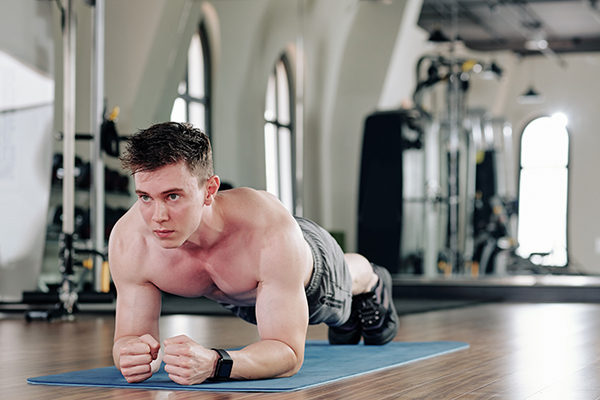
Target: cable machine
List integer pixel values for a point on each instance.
(68, 294)
(416, 196)
(448, 117)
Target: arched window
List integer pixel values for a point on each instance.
(543, 185)
(193, 101)
(279, 134)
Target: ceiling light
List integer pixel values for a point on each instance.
(437, 36)
(535, 45)
(530, 97)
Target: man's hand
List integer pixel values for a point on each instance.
(187, 362)
(136, 357)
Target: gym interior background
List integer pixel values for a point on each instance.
(293, 94)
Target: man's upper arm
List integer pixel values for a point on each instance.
(281, 305)
(138, 301)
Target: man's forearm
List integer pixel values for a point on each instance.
(266, 359)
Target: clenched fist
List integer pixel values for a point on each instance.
(187, 362)
(139, 358)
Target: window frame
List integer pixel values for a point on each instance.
(206, 101)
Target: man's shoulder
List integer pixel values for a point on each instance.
(126, 224)
(127, 239)
(247, 193)
(252, 205)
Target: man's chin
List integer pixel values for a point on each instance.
(169, 243)
(168, 246)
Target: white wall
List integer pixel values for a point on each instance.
(26, 111)
(26, 32)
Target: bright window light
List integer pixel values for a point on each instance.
(542, 231)
(272, 164)
(179, 112)
(560, 119)
(285, 167)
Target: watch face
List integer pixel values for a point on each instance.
(225, 369)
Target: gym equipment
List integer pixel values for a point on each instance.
(68, 293)
(380, 202)
(457, 169)
(109, 137)
(495, 192)
(416, 207)
(108, 134)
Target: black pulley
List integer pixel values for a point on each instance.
(109, 138)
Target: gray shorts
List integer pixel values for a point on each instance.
(329, 292)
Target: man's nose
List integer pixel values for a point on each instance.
(160, 212)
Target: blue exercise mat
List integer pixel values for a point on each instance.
(323, 363)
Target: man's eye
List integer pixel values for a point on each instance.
(174, 196)
(144, 198)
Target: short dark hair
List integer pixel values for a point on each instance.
(169, 143)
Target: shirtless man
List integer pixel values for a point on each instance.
(241, 248)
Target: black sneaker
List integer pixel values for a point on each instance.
(376, 311)
(349, 332)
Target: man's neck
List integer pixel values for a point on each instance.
(211, 229)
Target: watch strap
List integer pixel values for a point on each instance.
(224, 365)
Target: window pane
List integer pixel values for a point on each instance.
(270, 112)
(182, 87)
(542, 213)
(285, 169)
(197, 115)
(544, 144)
(195, 68)
(283, 94)
(271, 163)
(179, 114)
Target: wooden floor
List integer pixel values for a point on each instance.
(518, 351)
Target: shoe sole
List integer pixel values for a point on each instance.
(344, 338)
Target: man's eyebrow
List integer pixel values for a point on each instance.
(173, 190)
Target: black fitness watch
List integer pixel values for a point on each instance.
(224, 365)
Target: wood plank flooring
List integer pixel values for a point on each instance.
(518, 351)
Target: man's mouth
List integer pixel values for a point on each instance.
(162, 233)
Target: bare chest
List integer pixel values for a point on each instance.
(223, 276)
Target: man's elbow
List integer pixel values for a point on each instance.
(292, 372)
(295, 363)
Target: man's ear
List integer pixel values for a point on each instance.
(212, 187)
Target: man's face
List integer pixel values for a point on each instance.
(171, 203)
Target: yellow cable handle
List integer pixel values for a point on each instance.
(468, 65)
(114, 114)
(105, 278)
(88, 263)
